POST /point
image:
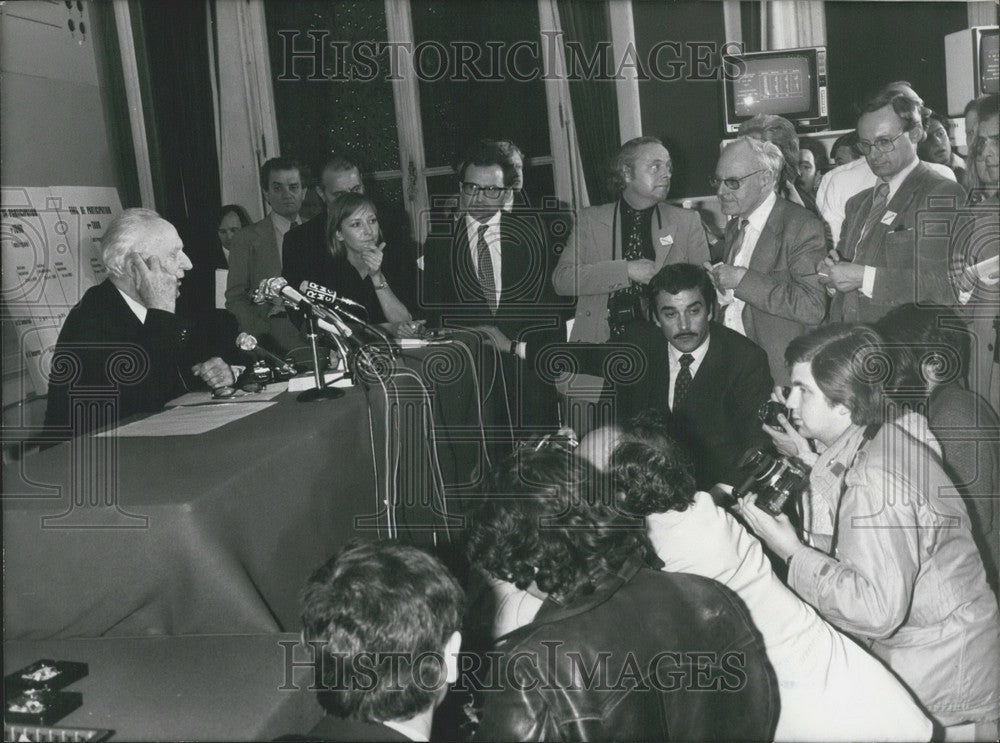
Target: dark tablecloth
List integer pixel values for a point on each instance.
(184, 688)
(217, 533)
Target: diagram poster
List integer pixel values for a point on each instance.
(51, 253)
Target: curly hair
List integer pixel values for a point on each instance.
(550, 518)
(382, 612)
(654, 474)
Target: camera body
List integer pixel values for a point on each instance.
(773, 479)
(626, 307)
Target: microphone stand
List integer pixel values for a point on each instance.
(320, 391)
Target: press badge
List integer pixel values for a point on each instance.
(888, 217)
(667, 240)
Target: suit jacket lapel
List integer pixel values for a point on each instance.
(764, 252)
(466, 279)
(872, 247)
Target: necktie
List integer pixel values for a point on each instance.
(737, 243)
(683, 382)
(879, 200)
(484, 265)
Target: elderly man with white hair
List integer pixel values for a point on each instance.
(122, 349)
(767, 282)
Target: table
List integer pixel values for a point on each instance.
(217, 533)
(184, 688)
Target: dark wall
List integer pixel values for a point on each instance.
(685, 113)
(871, 44)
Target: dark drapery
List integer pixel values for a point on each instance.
(171, 41)
(595, 105)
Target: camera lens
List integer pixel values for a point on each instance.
(768, 413)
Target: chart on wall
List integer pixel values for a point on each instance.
(51, 251)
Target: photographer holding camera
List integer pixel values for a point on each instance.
(616, 248)
(888, 556)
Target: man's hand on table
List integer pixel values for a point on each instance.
(215, 373)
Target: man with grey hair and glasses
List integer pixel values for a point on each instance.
(123, 340)
(895, 244)
(767, 283)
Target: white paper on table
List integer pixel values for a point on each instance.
(205, 397)
(188, 421)
(308, 382)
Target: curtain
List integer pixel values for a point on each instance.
(788, 24)
(171, 49)
(594, 100)
(244, 98)
(567, 165)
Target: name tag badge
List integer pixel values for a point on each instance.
(888, 217)
(667, 240)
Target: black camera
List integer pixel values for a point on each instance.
(625, 307)
(768, 412)
(773, 479)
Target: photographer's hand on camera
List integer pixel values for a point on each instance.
(776, 531)
(786, 439)
(641, 271)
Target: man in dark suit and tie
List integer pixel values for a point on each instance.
(255, 255)
(490, 269)
(708, 380)
(768, 284)
(896, 241)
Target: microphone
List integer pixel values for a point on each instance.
(277, 288)
(321, 294)
(246, 342)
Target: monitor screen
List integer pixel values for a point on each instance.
(989, 62)
(775, 85)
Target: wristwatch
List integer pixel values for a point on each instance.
(383, 285)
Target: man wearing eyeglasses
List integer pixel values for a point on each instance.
(490, 269)
(888, 255)
(767, 283)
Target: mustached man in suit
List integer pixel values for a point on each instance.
(255, 255)
(708, 380)
(383, 619)
(490, 269)
(767, 283)
(616, 248)
(896, 241)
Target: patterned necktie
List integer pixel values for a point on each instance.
(683, 382)
(734, 247)
(484, 265)
(879, 200)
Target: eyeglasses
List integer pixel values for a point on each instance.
(490, 192)
(733, 184)
(358, 188)
(882, 144)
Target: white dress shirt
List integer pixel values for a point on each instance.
(733, 317)
(675, 365)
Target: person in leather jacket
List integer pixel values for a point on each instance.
(618, 650)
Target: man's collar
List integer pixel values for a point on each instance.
(471, 223)
(759, 216)
(626, 205)
(137, 308)
(698, 353)
(896, 181)
(282, 223)
(406, 729)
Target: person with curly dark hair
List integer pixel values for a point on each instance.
(384, 620)
(617, 651)
(820, 672)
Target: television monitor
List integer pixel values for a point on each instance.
(972, 65)
(789, 82)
